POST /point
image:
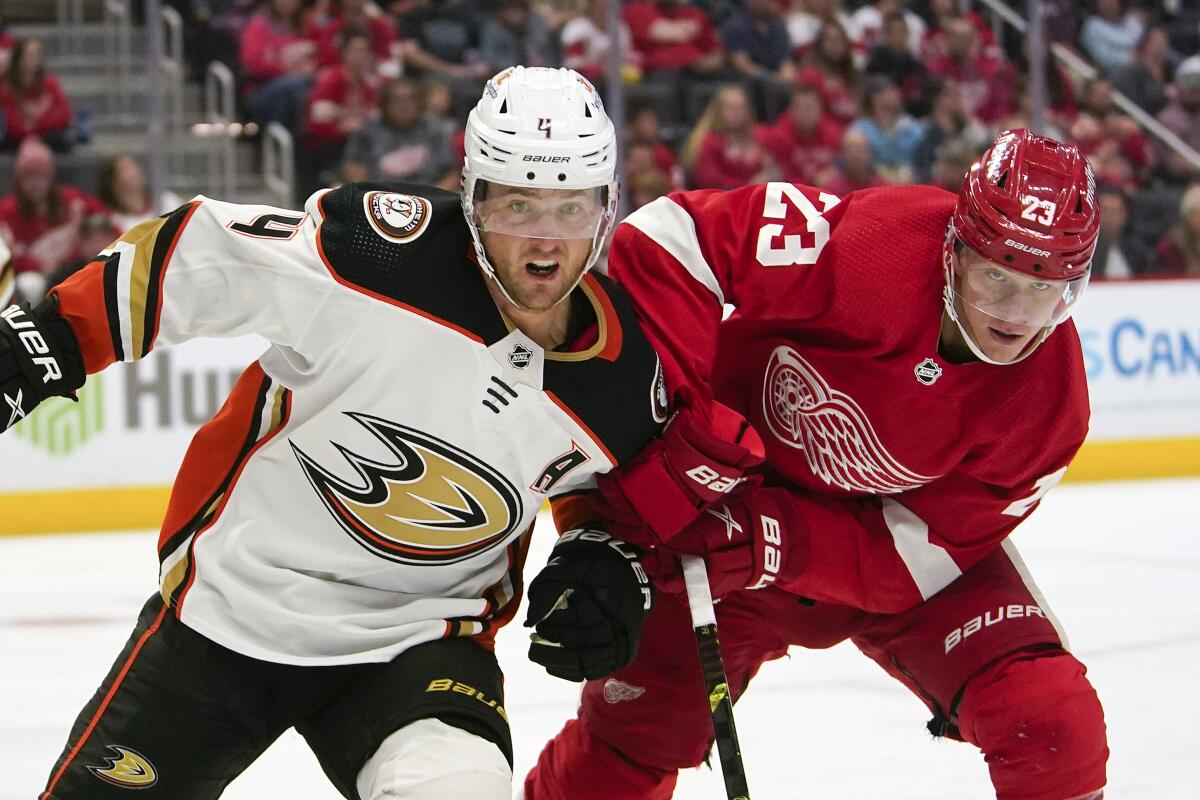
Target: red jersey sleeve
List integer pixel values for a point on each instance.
(684, 257)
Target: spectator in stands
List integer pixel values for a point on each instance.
(96, 233)
(1116, 146)
(646, 187)
(41, 219)
(437, 100)
(343, 98)
(677, 47)
(515, 35)
(1118, 255)
(441, 40)
(33, 101)
(329, 21)
(1178, 253)
(949, 121)
(806, 17)
(1060, 92)
(1182, 21)
(804, 140)
(830, 66)
(643, 129)
(641, 168)
(893, 134)
(855, 168)
(7, 43)
(1145, 79)
(866, 26)
(1182, 117)
(941, 14)
(756, 40)
(721, 152)
(400, 145)
(951, 162)
(584, 42)
(1110, 35)
(987, 81)
(892, 59)
(123, 188)
(672, 35)
(279, 61)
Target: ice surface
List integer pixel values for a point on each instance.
(1119, 563)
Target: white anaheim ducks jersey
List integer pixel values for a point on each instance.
(7, 285)
(370, 482)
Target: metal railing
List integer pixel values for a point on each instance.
(1071, 60)
(173, 67)
(220, 106)
(117, 22)
(279, 164)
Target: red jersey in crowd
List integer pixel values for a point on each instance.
(269, 50)
(802, 157)
(326, 31)
(337, 96)
(988, 84)
(724, 164)
(40, 242)
(907, 472)
(38, 110)
(669, 38)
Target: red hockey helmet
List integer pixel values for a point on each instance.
(1028, 216)
(1029, 203)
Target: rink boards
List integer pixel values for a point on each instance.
(106, 462)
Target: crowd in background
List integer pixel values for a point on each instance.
(720, 93)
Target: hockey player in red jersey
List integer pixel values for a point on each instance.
(910, 364)
(347, 534)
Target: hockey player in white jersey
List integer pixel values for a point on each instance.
(347, 534)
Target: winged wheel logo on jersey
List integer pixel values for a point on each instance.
(128, 769)
(397, 217)
(433, 504)
(838, 440)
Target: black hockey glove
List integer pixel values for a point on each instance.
(586, 606)
(39, 357)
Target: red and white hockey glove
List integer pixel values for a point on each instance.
(694, 464)
(751, 541)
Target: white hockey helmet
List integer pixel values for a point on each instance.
(540, 128)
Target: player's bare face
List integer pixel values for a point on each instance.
(538, 240)
(1002, 310)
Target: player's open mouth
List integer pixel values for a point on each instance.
(1006, 338)
(540, 268)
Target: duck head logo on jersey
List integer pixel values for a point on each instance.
(397, 217)
(127, 769)
(839, 442)
(433, 504)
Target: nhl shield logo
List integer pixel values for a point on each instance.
(520, 356)
(397, 217)
(927, 372)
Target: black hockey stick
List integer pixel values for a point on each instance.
(720, 704)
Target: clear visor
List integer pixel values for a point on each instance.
(1011, 297)
(539, 213)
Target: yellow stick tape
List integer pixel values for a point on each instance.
(83, 510)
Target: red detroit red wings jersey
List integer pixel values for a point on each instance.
(912, 467)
